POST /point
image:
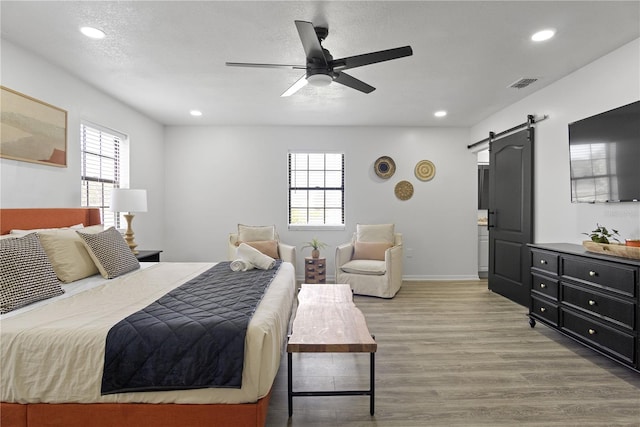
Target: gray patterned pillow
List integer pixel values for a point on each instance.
(26, 275)
(110, 252)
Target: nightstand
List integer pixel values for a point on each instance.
(148, 256)
(315, 270)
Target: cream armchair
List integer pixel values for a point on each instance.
(372, 262)
(249, 233)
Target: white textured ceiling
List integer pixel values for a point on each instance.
(166, 57)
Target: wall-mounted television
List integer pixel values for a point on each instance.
(605, 156)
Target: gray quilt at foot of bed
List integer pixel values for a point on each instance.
(192, 337)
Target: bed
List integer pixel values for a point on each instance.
(63, 342)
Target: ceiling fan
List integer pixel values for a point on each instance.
(321, 68)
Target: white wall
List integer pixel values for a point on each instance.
(221, 176)
(26, 185)
(202, 181)
(217, 177)
(609, 82)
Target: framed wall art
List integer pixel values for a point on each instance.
(32, 130)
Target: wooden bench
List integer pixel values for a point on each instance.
(327, 321)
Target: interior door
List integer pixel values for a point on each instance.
(511, 215)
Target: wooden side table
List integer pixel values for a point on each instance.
(315, 270)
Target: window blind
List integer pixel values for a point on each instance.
(100, 169)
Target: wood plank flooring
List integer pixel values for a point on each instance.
(456, 354)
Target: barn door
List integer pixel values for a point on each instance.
(511, 215)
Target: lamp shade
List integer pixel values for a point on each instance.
(128, 200)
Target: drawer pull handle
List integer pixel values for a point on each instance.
(543, 262)
(542, 285)
(593, 273)
(542, 309)
(592, 302)
(592, 331)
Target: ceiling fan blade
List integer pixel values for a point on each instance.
(311, 43)
(352, 82)
(371, 58)
(249, 64)
(299, 84)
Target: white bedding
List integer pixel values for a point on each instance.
(53, 351)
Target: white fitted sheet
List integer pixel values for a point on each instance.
(53, 351)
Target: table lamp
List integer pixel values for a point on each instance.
(129, 200)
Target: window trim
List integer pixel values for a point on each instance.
(315, 227)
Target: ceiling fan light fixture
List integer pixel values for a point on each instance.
(319, 80)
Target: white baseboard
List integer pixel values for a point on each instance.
(448, 278)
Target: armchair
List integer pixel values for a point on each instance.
(265, 239)
(372, 262)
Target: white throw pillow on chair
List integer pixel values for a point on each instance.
(253, 233)
(375, 233)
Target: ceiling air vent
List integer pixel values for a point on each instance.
(522, 83)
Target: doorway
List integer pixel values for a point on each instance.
(483, 207)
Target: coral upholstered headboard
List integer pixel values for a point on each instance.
(29, 218)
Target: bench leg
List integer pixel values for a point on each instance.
(370, 392)
(373, 382)
(290, 383)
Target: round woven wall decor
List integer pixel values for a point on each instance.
(385, 167)
(404, 190)
(425, 170)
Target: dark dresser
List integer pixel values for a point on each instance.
(589, 297)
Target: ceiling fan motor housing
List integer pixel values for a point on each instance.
(321, 32)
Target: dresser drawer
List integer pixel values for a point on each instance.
(545, 286)
(617, 278)
(605, 338)
(620, 311)
(544, 310)
(545, 261)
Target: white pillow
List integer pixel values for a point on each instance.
(253, 233)
(375, 233)
(68, 254)
(36, 230)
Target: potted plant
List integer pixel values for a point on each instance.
(315, 246)
(602, 235)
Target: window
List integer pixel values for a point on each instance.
(316, 189)
(101, 168)
(593, 172)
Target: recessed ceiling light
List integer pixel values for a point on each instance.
(93, 33)
(440, 113)
(195, 113)
(543, 35)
